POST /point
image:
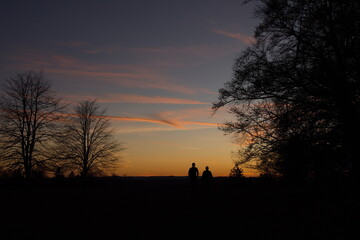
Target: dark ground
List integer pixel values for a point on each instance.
(165, 208)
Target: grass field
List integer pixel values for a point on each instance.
(166, 208)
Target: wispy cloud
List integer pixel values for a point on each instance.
(168, 56)
(134, 98)
(173, 123)
(134, 119)
(185, 119)
(238, 36)
(141, 79)
(185, 114)
(200, 51)
(123, 75)
(181, 119)
(198, 123)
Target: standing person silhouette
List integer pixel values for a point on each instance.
(206, 180)
(206, 175)
(193, 175)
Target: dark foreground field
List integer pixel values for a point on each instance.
(165, 208)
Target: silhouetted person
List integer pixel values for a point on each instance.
(193, 175)
(207, 175)
(206, 180)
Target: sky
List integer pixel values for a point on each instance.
(155, 66)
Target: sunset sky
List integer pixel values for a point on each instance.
(156, 66)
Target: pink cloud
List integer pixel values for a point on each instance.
(173, 123)
(198, 123)
(193, 113)
(238, 36)
(145, 75)
(128, 79)
(123, 75)
(178, 119)
(181, 117)
(133, 98)
(181, 54)
(169, 118)
(134, 119)
(131, 119)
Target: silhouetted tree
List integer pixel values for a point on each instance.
(236, 171)
(87, 145)
(28, 118)
(295, 91)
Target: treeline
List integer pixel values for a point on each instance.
(41, 134)
(295, 91)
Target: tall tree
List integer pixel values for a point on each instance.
(87, 145)
(295, 92)
(29, 113)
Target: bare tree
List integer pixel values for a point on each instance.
(29, 113)
(87, 145)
